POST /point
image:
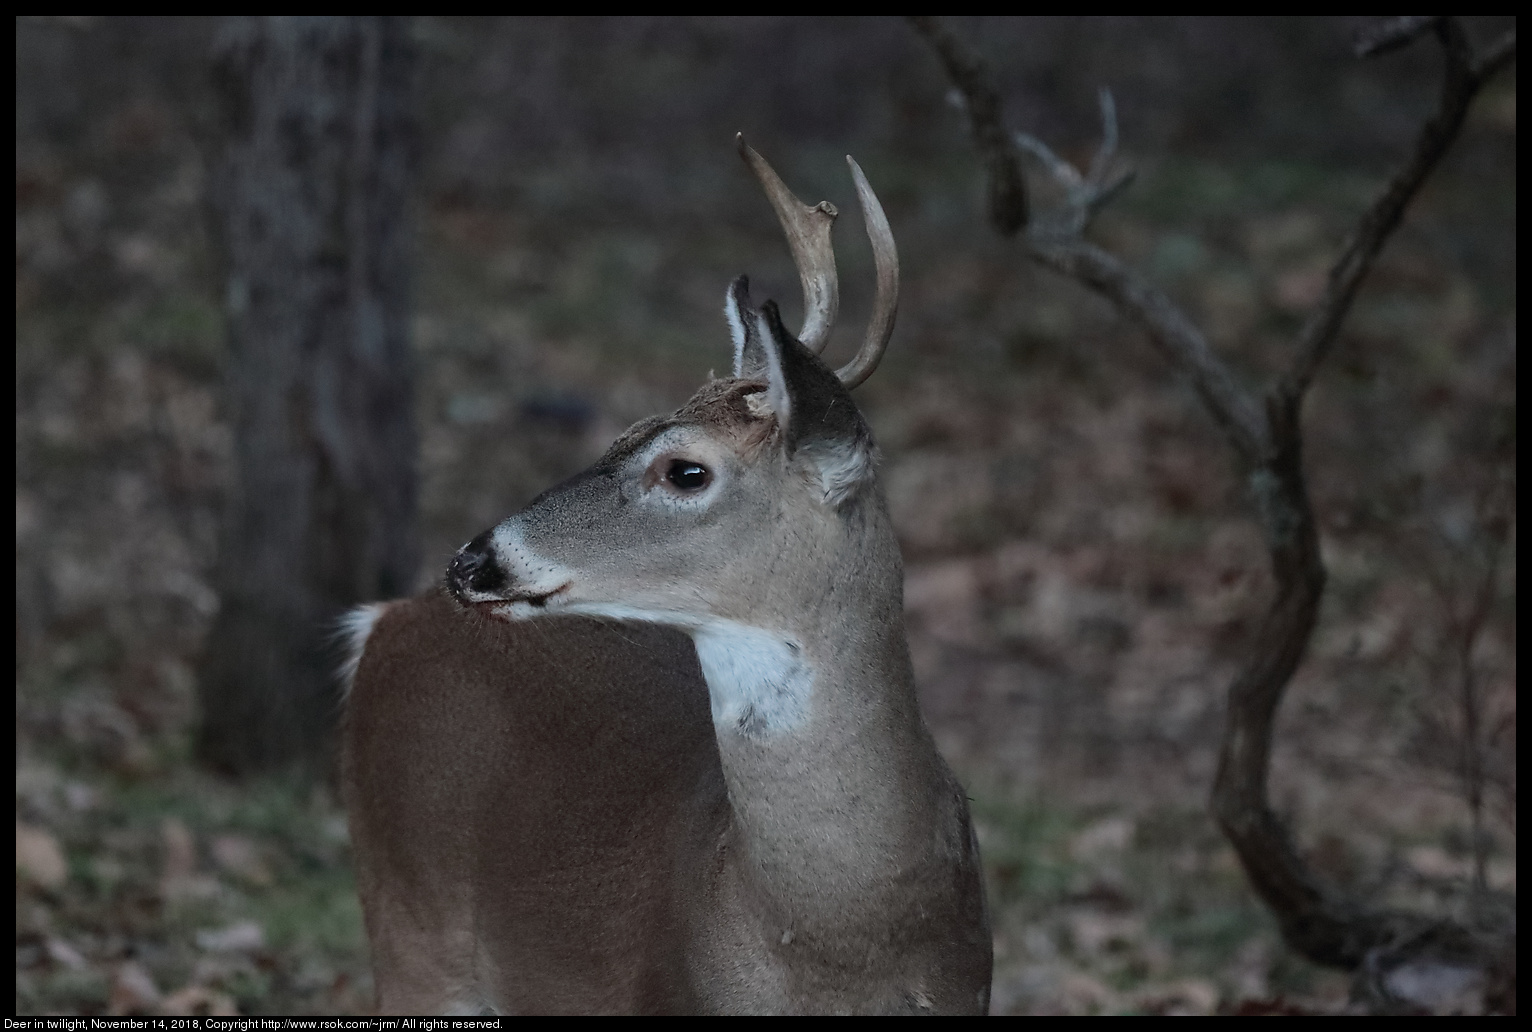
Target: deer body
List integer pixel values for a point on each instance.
(542, 800)
(559, 803)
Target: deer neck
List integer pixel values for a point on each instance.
(833, 780)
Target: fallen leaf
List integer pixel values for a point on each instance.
(1438, 987)
(240, 937)
(1092, 931)
(133, 990)
(1112, 835)
(1436, 862)
(180, 849)
(60, 952)
(81, 797)
(198, 1001)
(240, 856)
(1084, 994)
(178, 875)
(39, 856)
(1187, 996)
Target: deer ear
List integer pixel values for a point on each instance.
(749, 357)
(820, 423)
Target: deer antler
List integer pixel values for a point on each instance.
(808, 235)
(885, 302)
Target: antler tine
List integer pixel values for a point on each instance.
(886, 259)
(808, 235)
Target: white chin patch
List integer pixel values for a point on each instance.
(758, 682)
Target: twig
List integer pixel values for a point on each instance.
(1007, 188)
(1173, 334)
(1108, 149)
(1085, 195)
(1459, 86)
(1388, 34)
(1496, 56)
(1062, 171)
(1466, 628)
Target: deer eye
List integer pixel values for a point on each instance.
(688, 476)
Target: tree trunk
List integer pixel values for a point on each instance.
(310, 181)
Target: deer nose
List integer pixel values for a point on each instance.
(474, 571)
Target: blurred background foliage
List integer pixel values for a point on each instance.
(1081, 566)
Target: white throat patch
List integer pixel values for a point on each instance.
(758, 682)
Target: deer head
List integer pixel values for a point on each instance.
(747, 516)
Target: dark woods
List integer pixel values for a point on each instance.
(1269, 556)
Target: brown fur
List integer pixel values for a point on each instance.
(553, 835)
(548, 814)
(555, 814)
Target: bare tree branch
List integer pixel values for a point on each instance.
(1459, 86)
(1055, 241)
(1102, 161)
(1172, 333)
(1062, 171)
(1388, 34)
(1315, 918)
(1496, 56)
(1085, 194)
(1007, 188)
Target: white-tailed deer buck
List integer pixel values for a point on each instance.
(656, 746)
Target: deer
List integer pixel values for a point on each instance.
(654, 744)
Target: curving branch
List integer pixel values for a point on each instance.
(1389, 34)
(1496, 56)
(1465, 74)
(1085, 195)
(1316, 919)
(1171, 332)
(976, 85)
(1055, 239)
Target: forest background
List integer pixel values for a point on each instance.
(1082, 565)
